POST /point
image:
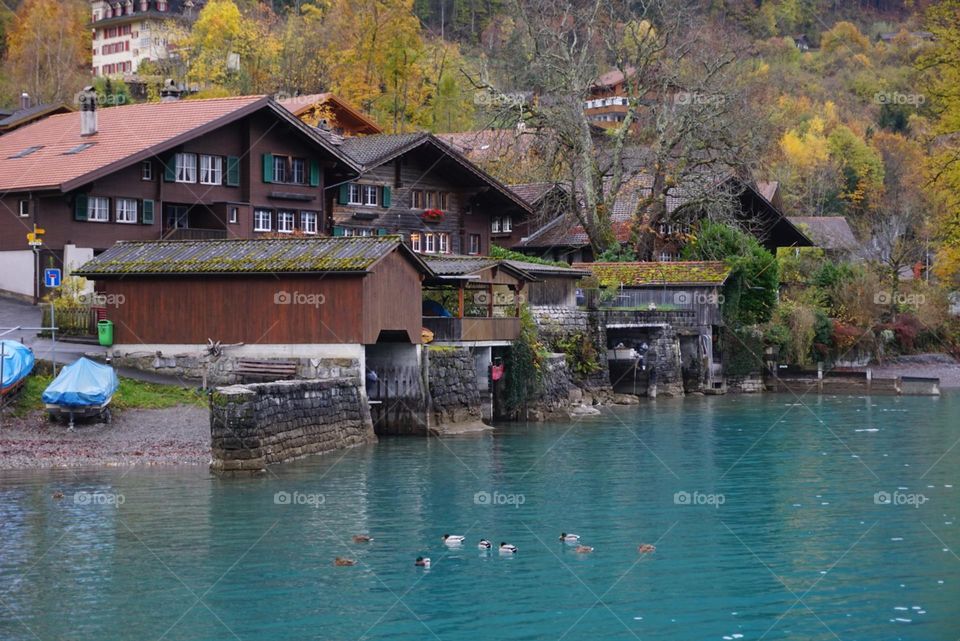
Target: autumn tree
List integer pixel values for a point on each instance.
(941, 73)
(48, 50)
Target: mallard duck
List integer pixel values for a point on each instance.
(646, 548)
(569, 538)
(422, 562)
(362, 538)
(342, 562)
(584, 549)
(484, 544)
(453, 539)
(506, 548)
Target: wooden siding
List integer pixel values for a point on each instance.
(392, 299)
(245, 309)
(473, 329)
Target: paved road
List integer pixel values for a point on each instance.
(14, 313)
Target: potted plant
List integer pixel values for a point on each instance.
(432, 215)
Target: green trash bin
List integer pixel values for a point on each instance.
(105, 332)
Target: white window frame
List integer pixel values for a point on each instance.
(286, 220)
(442, 200)
(125, 210)
(416, 241)
(234, 215)
(417, 199)
(506, 224)
(98, 209)
(300, 163)
(355, 194)
(371, 195)
(280, 173)
(24, 208)
(257, 218)
(308, 222)
(474, 251)
(495, 224)
(211, 170)
(146, 170)
(429, 244)
(186, 172)
(443, 243)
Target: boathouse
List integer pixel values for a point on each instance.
(226, 310)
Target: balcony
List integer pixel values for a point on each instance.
(473, 328)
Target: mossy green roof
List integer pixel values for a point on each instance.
(247, 256)
(642, 274)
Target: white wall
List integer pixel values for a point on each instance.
(74, 257)
(16, 271)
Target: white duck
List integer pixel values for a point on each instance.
(484, 544)
(506, 548)
(453, 540)
(572, 539)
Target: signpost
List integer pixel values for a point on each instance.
(52, 277)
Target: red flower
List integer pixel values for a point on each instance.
(432, 215)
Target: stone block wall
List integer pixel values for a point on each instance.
(452, 380)
(252, 426)
(557, 322)
(663, 357)
(221, 370)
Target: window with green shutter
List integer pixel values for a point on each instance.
(80, 207)
(338, 231)
(385, 201)
(343, 197)
(314, 173)
(233, 171)
(146, 215)
(382, 232)
(268, 168)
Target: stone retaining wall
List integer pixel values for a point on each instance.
(454, 395)
(221, 370)
(252, 426)
(556, 322)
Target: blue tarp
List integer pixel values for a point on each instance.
(17, 362)
(82, 384)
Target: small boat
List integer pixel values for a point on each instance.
(83, 389)
(16, 363)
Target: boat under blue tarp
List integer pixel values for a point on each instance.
(17, 364)
(84, 383)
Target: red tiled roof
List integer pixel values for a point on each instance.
(640, 274)
(123, 133)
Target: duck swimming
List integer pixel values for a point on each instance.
(422, 562)
(506, 548)
(453, 539)
(583, 549)
(58, 495)
(646, 548)
(569, 538)
(362, 538)
(484, 544)
(342, 562)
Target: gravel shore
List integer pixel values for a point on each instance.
(173, 436)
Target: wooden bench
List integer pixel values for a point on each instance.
(266, 370)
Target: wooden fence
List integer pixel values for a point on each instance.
(78, 321)
(397, 402)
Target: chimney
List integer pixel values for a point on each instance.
(170, 92)
(24, 100)
(88, 112)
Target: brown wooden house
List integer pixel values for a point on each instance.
(193, 169)
(261, 292)
(332, 112)
(418, 186)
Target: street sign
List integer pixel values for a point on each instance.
(33, 240)
(52, 277)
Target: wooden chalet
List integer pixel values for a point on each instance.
(419, 187)
(331, 112)
(239, 167)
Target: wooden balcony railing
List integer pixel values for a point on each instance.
(473, 329)
(195, 233)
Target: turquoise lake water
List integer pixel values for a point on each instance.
(781, 534)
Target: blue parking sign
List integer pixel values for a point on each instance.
(52, 277)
